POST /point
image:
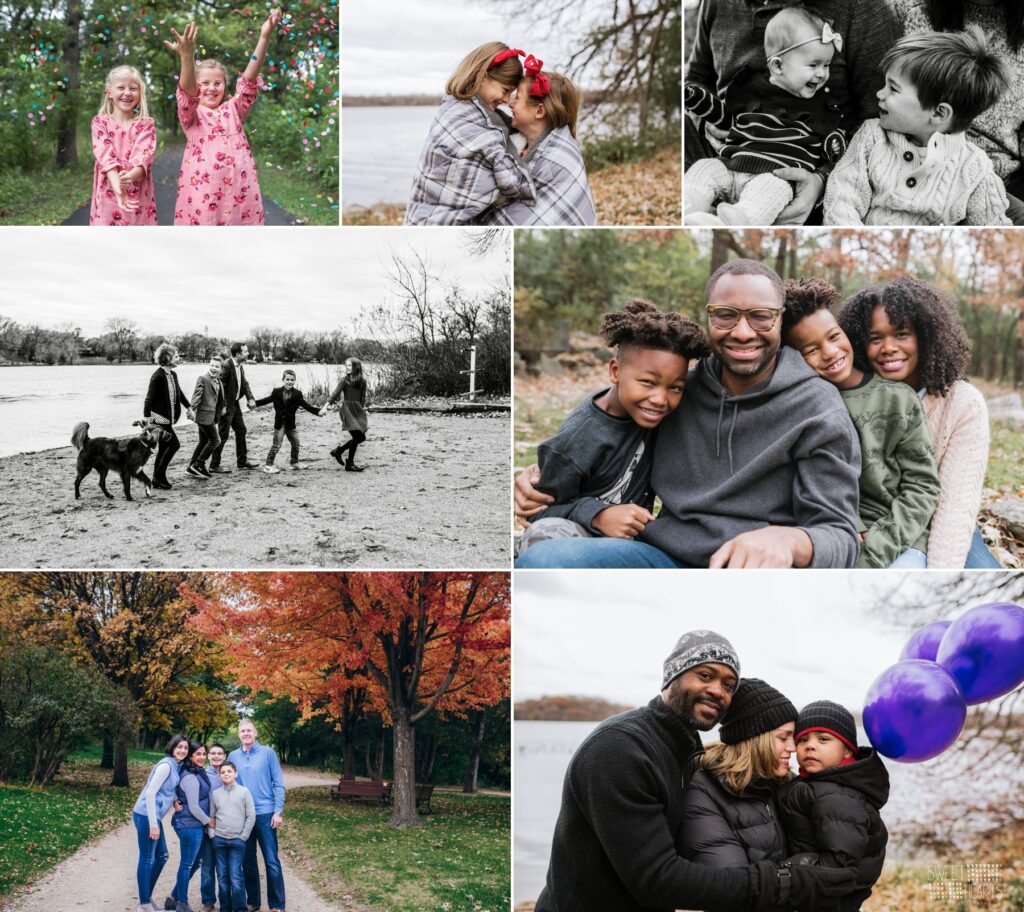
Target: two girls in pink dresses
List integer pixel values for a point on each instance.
(217, 183)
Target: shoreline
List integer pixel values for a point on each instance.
(435, 493)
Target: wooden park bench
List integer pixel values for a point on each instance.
(357, 788)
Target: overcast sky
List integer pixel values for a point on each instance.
(171, 281)
(606, 633)
(398, 47)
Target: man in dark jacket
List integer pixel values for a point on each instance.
(622, 804)
(236, 388)
(758, 467)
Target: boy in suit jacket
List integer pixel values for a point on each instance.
(236, 387)
(287, 401)
(205, 410)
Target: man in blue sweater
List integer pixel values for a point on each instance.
(259, 771)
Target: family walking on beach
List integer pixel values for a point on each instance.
(222, 812)
(216, 408)
(787, 436)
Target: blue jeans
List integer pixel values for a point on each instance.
(911, 559)
(264, 834)
(208, 877)
(979, 557)
(230, 858)
(595, 553)
(191, 841)
(152, 857)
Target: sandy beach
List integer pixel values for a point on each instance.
(435, 493)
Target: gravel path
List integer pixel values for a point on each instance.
(101, 877)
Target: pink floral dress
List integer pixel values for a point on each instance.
(217, 184)
(121, 146)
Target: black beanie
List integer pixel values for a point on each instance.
(756, 708)
(824, 715)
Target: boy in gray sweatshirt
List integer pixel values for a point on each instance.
(233, 815)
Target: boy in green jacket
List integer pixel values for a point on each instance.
(899, 481)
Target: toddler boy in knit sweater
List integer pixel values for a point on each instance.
(598, 464)
(899, 480)
(780, 118)
(832, 808)
(914, 165)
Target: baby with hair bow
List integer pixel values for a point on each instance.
(779, 118)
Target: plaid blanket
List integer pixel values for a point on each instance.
(466, 166)
(562, 194)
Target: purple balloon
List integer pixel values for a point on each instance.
(984, 650)
(913, 711)
(924, 643)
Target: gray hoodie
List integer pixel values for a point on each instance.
(784, 453)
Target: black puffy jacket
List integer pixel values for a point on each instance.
(835, 814)
(722, 827)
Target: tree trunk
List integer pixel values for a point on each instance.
(473, 767)
(348, 758)
(67, 112)
(107, 759)
(427, 744)
(403, 792)
(120, 762)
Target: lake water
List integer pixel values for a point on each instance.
(39, 405)
(380, 149)
(922, 794)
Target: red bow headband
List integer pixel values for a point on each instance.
(504, 55)
(541, 86)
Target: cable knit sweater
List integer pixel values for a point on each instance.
(997, 131)
(958, 423)
(884, 179)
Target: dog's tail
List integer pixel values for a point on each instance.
(80, 435)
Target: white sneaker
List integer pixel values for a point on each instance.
(271, 469)
(299, 465)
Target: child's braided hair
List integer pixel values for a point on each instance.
(641, 324)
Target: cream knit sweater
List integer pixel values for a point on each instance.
(958, 423)
(884, 179)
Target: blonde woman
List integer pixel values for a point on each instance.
(467, 165)
(545, 109)
(124, 143)
(729, 810)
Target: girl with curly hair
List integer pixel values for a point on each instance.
(909, 331)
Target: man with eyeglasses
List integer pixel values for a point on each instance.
(759, 465)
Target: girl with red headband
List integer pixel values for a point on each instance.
(467, 164)
(545, 109)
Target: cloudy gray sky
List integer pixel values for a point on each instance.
(607, 633)
(226, 280)
(397, 47)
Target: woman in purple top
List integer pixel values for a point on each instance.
(193, 794)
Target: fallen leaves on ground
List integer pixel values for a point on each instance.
(646, 192)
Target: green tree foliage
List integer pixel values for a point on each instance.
(49, 706)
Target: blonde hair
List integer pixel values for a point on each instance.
(469, 75)
(107, 105)
(561, 104)
(739, 764)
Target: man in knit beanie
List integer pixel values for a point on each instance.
(622, 805)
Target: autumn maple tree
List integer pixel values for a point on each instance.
(410, 644)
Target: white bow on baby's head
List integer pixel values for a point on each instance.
(828, 36)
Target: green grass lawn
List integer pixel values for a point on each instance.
(42, 826)
(458, 861)
(300, 197)
(46, 198)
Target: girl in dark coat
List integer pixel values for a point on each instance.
(351, 390)
(832, 808)
(729, 810)
(163, 407)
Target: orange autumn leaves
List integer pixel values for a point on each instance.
(420, 641)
